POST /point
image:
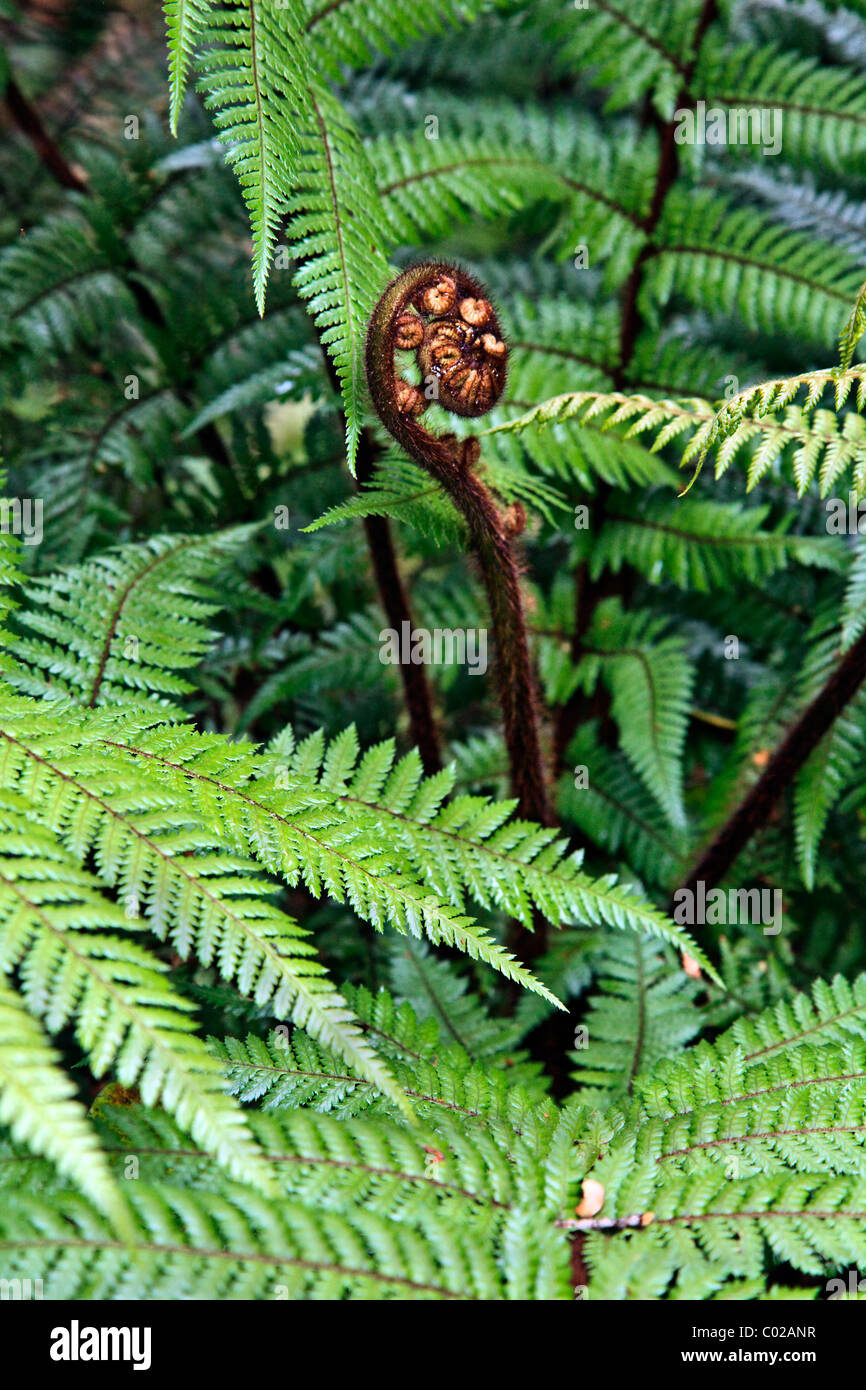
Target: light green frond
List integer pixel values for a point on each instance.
(740, 1154)
(336, 234)
(79, 965)
(417, 876)
(184, 22)
(813, 442)
(253, 77)
(854, 328)
(39, 1108)
(174, 874)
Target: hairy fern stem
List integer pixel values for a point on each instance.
(462, 347)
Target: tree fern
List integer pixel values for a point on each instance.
(368, 971)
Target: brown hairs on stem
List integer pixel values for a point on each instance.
(445, 317)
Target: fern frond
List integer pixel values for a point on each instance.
(817, 436)
(853, 331)
(115, 629)
(355, 31)
(496, 160)
(184, 22)
(823, 107)
(435, 990)
(171, 873)
(707, 1229)
(701, 545)
(232, 1244)
(854, 604)
(739, 262)
(643, 1010)
(78, 965)
(39, 1108)
(822, 779)
(335, 229)
(328, 831)
(403, 491)
(607, 802)
(425, 186)
(816, 440)
(253, 79)
(729, 1149)
(650, 679)
(58, 287)
(590, 452)
(631, 51)
(442, 1079)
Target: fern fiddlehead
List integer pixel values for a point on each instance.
(444, 316)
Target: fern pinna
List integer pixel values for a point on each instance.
(330, 975)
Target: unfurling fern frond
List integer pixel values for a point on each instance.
(631, 234)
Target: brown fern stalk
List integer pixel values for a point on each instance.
(30, 123)
(395, 602)
(801, 740)
(444, 316)
(393, 598)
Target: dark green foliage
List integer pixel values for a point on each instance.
(290, 1006)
